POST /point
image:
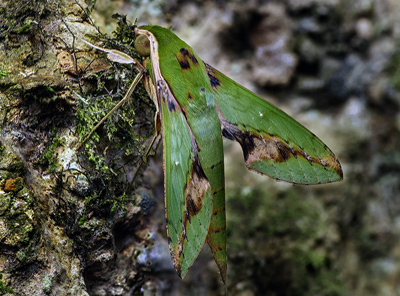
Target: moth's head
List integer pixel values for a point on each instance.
(142, 45)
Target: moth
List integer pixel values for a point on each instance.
(197, 105)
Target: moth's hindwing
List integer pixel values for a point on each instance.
(273, 143)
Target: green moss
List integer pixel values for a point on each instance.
(4, 73)
(120, 202)
(25, 27)
(5, 202)
(3, 286)
(15, 202)
(48, 283)
(49, 158)
(21, 255)
(50, 89)
(97, 203)
(124, 32)
(20, 228)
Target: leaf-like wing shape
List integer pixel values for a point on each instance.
(188, 196)
(273, 143)
(187, 79)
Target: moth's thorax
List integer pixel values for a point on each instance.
(154, 55)
(142, 45)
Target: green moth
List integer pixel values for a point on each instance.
(196, 106)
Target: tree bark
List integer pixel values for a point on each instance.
(69, 222)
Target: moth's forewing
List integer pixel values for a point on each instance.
(194, 189)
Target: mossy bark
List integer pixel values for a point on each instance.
(69, 222)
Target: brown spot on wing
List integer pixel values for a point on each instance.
(185, 65)
(184, 57)
(213, 76)
(196, 189)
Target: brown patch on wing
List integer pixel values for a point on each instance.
(213, 76)
(332, 162)
(184, 57)
(176, 257)
(271, 147)
(268, 147)
(196, 189)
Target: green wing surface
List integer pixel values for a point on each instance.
(188, 196)
(273, 143)
(190, 107)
